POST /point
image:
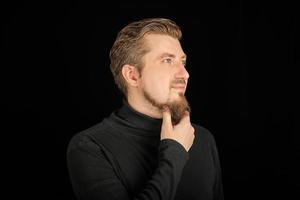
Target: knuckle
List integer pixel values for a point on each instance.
(192, 129)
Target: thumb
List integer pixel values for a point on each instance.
(167, 123)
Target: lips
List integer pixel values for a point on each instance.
(178, 86)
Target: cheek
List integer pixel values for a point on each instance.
(158, 87)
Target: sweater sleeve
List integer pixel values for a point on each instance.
(93, 176)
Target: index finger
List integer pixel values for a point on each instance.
(167, 121)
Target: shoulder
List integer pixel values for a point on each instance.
(84, 139)
(203, 134)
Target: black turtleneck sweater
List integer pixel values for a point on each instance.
(123, 158)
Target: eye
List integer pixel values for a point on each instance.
(167, 60)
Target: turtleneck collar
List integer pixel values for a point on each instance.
(137, 120)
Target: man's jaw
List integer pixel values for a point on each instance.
(176, 103)
(178, 108)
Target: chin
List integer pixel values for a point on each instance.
(177, 105)
(178, 108)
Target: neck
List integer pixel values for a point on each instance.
(141, 105)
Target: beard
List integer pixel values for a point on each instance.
(176, 107)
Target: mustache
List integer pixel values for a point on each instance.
(179, 81)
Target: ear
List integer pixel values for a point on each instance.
(130, 74)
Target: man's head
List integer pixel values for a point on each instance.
(148, 65)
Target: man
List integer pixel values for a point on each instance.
(148, 149)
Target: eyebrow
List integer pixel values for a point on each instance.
(163, 55)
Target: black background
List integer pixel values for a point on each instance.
(56, 81)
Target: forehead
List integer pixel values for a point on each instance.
(159, 44)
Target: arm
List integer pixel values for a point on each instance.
(163, 185)
(93, 176)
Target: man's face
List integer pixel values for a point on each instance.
(164, 77)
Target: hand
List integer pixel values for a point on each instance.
(183, 132)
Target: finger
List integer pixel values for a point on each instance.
(167, 122)
(186, 117)
(192, 129)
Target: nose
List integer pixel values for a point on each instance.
(182, 73)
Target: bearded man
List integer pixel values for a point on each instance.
(148, 149)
